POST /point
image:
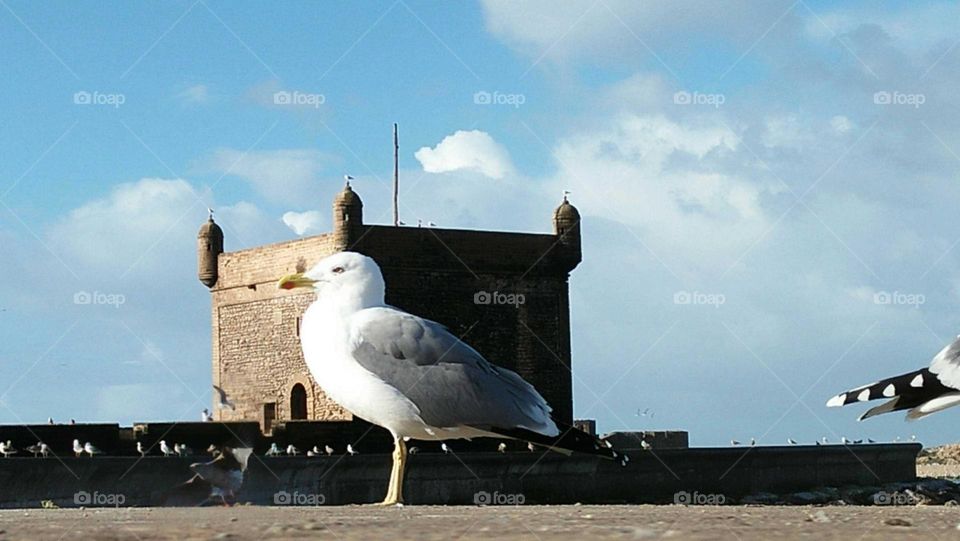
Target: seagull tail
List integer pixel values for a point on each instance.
(919, 391)
(569, 440)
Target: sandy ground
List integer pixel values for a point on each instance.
(525, 522)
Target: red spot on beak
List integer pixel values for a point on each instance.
(288, 285)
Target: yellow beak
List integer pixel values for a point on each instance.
(291, 281)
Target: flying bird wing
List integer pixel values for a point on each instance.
(923, 391)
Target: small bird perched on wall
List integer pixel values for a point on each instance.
(274, 450)
(140, 449)
(165, 449)
(77, 448)
(922, 392)
(91, 450)
(411, 375)
(6, 449)
(351, 451)
(502, 448)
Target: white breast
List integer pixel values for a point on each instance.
(326, 349)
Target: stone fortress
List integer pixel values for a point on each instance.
(506, 294)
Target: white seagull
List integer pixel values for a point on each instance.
(411, 375)
(791, 441)
(140, 449)
(165, 449)
(502, 448)
(77, 448)
(351, 451)
(444, 448)
(328, 449)
(645, 446)
(35, 449)
(921, 392)
(6, 449)
(273, 450)
(292, 451)
(91, 450)
(44, 450)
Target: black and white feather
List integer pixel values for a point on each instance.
(922, 392)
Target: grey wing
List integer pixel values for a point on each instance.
(946, 365)
(449, 381)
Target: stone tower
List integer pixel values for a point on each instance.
(209, 248)
(347, 218)
(566, 226)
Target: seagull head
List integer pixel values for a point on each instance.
(344, 275)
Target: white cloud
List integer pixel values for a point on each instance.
(303, 223)
(471, 150)
(556, 31)
(285, 176)
(195, 94)
(669, 179)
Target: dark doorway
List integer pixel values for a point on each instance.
(298, 402)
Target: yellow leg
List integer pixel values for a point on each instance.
(395, 490)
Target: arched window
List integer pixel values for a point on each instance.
(298, 402)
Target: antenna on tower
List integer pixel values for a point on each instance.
(396, 176)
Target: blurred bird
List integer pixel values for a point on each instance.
(351, 451)
(44, 450)
(645, 446)
(222, 401)
(205, 416)
(734, 443)
(531, 447)
(185, 451)
(502, 448)
(413, 450)
(220, 479)
(844, 440)
(91, 450)
(6, 449)
(35, 449)
(444, 448)
(49, 420)
(213, 450)
(292, 451)
(165, 449)
(273, 450)
(329, 450)
(77, 448)
(870, 441)
(313, 452)
(753, 441)
(140, 449)
(791, 441)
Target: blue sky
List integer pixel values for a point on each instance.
(788, 167)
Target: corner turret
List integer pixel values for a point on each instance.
(566, 226)
(209, 248)
(347, 218)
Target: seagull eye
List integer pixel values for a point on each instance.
(337, 270)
